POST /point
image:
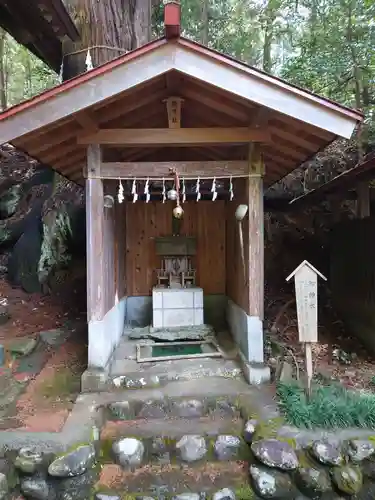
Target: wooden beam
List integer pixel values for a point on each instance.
(256, 227)
(151, 169)
(58, 151)
(87, 121)
(175, 137)
(94, 235)
(218, 104)
(69, 160)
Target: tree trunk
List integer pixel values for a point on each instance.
(3, 92)
(270, 15)
(358, 78)
(109, 29)
(205, 17)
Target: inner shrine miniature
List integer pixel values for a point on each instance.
(176, 301)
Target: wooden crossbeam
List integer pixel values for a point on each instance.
(175, 137)
(160, 169)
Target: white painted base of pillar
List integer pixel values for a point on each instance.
(247, 332)
(104, 335)
(255, 373)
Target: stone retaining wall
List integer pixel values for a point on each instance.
(277, 468)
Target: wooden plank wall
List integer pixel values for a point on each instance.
(144, 221)
(113, 252)
(236, 287)
(109, 259)
(120, 249)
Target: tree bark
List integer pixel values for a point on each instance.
(358, 77)
(109, 29)
(3, 91)
(205, 17)
(270, 15)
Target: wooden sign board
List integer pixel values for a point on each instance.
(306, 287)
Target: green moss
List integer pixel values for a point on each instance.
(105, 451)
(348, 479)
(268, 429)
(244, 492)
(305, 460)
(246, 408)
(63, 385)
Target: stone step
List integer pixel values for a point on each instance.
(170, 441)
(173, 428)
(166, 482)
(163, 372)
(166, 408)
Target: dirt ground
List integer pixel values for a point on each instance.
(40, 396)
(337, 356)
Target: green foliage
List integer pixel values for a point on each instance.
(330, 406)
(24, 74)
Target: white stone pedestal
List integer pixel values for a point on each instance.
(173, 307)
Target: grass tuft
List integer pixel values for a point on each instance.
(65, 384)
(331, 406)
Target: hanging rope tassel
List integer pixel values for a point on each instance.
(231, 193)
(213, 190)
(88, 61)
(147, 191)
(183, 191)
(61, 71)
(197, 189)
(134, 191)
(120, 195)
(164, 192)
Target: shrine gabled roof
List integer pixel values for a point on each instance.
(218, 90)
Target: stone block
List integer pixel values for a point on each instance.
(157, 299)
(178, 317)
(198, 317)
(198, 299)
(256, 373)
(157, 318)
(173, 299)
(94, 380)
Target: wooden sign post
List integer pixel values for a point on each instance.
(306, 287)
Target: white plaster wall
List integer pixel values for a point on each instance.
(105, 335)
(247, 332)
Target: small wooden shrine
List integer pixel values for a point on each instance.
(175, 131)
(176, 254)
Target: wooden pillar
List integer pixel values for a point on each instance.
(256, 233)
(363, 200)
(94, 236)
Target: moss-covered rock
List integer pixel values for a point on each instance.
(275, 453)
(270, 483)
(54, 250)
(9, 200)
(312, 481)
(268, 429)
(348, 479)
